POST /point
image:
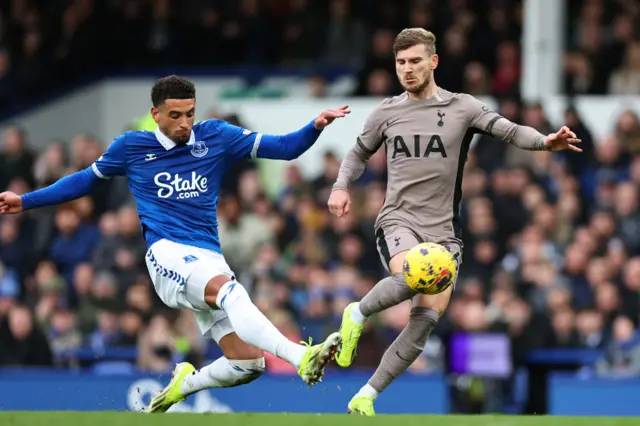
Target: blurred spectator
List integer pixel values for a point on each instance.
(450, 72)
(317, 86)
(626, 80)
(16, 160)
(9, 284)
(345, 40)
(240, 234)
(506, 79)
(300, 36)
(64, 337)
(627, 132)
(75, 241)
(578, 163)
(51, 166)
(156, 345)
(21, 342)
(622, 355)
(7, 74)
(602, 55)
(120, 253)
(377, 75)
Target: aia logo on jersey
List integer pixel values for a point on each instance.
(420, 147)
(182, 188)
(199, 149)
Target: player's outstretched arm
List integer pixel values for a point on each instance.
(68, 188)
(242, 143)
(524, 137)
(76, 185)
(294, 144)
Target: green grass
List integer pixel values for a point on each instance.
(182, 419)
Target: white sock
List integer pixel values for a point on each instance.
(253, 327)
(368, 390)
(357, 316)
(223, 373)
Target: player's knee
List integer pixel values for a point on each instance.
(222, 290)
(247, 371)
(435, 302)
(422, 321)
(400, 280)
(243, 351)
(396, 263)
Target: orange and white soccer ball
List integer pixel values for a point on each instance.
(429, 268)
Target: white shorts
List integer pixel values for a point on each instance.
(180, 274)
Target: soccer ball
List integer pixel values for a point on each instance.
(429, 268)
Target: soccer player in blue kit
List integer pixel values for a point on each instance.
(174, 175)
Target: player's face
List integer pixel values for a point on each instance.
(175, 119)
(414, 67)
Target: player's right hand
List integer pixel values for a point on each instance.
(339, 203)
(328, 116)
(10, 203)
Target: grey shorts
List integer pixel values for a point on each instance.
(394, 239)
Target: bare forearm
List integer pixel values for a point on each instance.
(524, 137)
(352, 167)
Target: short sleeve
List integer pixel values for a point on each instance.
(480, 116)
(240, 143)
(114, 160)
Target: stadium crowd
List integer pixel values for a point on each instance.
(46, 44)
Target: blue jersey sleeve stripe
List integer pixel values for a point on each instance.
(256, 146)
(97, 172)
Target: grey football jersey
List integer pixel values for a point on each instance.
(426, 143)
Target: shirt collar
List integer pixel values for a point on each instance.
(168, 143)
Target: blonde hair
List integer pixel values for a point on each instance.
(410, 37)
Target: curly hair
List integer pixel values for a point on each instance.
(172, 87)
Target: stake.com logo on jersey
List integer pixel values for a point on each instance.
(184, 188)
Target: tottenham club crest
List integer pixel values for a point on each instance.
(199, 149)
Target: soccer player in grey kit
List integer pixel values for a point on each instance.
(426, 132)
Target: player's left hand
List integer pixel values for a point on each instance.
(10, 203)
(326, 117)
(563, 139)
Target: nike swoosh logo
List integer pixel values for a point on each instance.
(390, 122)
(404, 359)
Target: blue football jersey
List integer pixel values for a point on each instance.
(176, 186)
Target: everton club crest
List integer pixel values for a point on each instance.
(199, 149)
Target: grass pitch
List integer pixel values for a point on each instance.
(183, 419)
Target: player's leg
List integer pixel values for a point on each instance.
(393, 245)
(189, 278)
(241, 363)
(406, 348)
(178, 282)
(255, 329)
